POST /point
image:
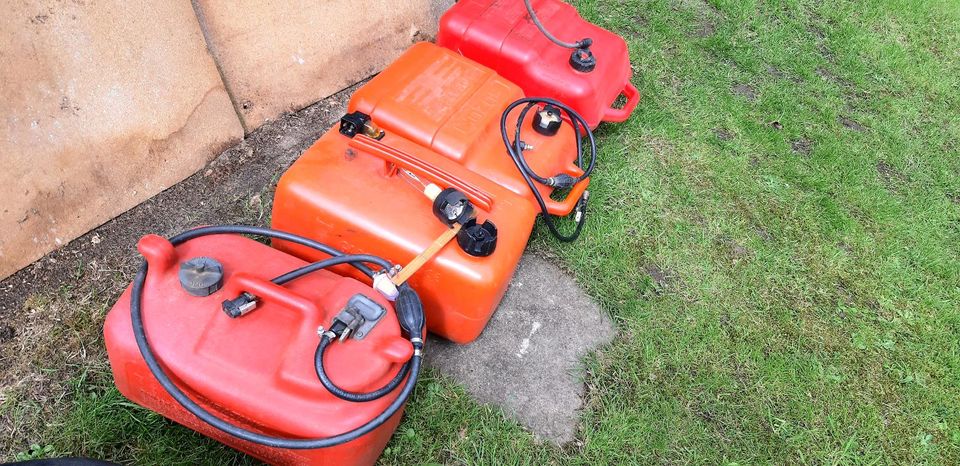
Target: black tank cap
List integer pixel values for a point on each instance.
(583, 60)
(547, 121)
(478, 240)
(452, 206)
(201, 276)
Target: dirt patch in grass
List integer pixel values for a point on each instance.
(851, 124)
(889, 175)
(639, 25)
(828, 75)
(705, 29)
(706, 14)
(746, 91)
(764, 234)
(663, 279)
(735, 252)
(802, 146)
(723, 134)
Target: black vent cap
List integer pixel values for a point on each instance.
(476, 239)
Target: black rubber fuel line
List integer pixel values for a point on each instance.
(515, 149)
(409, 311)
(552, 38)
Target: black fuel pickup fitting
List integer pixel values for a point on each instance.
(476, 239)
(452, 206)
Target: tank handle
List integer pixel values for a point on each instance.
(422, 168)
(564, 207)
(617, 115)
(265, 289)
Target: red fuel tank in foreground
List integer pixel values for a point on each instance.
(500, 34)
(257, 371)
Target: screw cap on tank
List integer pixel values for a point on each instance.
(452, 206)
(583, 60)
(547, 121)
(478, 239)
(201, 276)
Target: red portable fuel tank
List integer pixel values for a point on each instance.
(589, 74)
(435, 118)
(222, 326)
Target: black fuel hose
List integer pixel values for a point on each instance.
(515, 149)
(583, 43)
(352, 259)
(355, 397)
(326, 339)
(409, 313)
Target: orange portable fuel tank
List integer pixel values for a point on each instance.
(453, 105)
(222, 321)
(587, 75)
(361, 194)
(440, 115)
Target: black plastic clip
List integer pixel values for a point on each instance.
(355, 123)
(240, 306)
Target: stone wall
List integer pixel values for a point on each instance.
(107, 103)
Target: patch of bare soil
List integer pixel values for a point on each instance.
(746, 91)
(723, 134)
(707, 16)
(852, 124)
(735, 252)
(663, 279)
(51, 312)
(802, 146)
(889, 175)
(775, 72)
(705, 29)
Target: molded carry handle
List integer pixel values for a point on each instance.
(267, 290)
(423, 169)
(564, 207)
(617, 115)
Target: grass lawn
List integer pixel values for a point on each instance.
(776, 233)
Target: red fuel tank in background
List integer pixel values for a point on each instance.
(257, 371)
(500, 34)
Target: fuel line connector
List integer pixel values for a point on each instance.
(356, 123)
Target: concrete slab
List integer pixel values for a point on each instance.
(528, 360)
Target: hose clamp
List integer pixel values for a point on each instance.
(322, 332)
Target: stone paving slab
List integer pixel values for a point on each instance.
(528, 361)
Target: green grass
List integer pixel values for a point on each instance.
(774, 305)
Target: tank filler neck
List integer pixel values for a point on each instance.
(582, 58)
